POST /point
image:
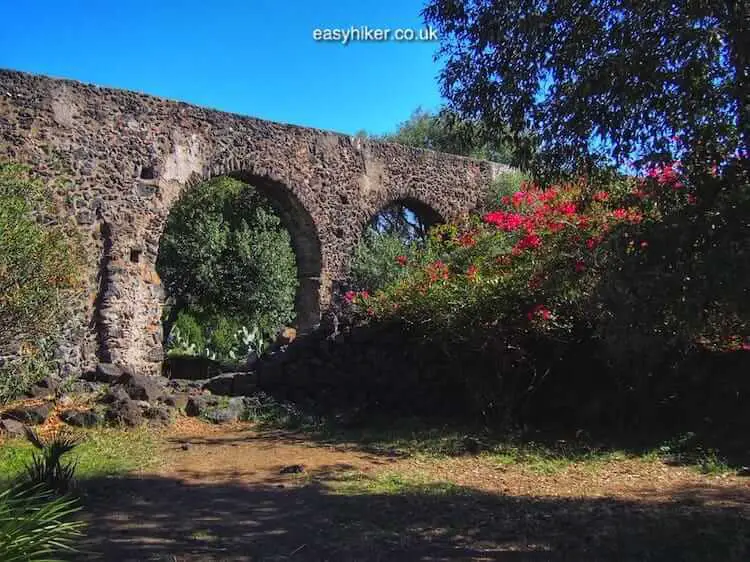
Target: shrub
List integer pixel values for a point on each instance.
(40, 274)
(610, 287)
(378, 258)
(225, 253)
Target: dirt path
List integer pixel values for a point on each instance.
(236, 494)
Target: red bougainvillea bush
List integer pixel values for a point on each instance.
(647, 268)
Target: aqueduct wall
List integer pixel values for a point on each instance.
(118, 160)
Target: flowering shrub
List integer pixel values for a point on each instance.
(510, 259)
(636, 266)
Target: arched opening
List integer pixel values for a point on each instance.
(239, 259)
(392, 236)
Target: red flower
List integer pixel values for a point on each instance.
(364, 295)
(548, 195)
(506, 221)
(539, 311)
(530, 241)
(592, 243)
(518, 198)
(349, 296)
(601, 196)
(620, 213)
(401, 260)
(580, 266)
(467, 240)
(644, 244)
(692, 199)
(567, 208)
(437, 270)
(472, 271)
(630, 215)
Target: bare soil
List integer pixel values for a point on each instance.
(235, 493)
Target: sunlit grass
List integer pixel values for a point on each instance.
(102, 452)
(390, 483)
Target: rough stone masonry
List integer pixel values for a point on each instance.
(118, 161)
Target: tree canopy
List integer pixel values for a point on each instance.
(611, 81)
(224, 251)
(446, 131)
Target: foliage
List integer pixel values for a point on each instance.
(215, 336)
(225, 252)
(586, 267)
(20, 371)
(375, 263)
(398, 228)
(46, 466)
(605, 81)
(35, 525)
(505, 184)
(40, 274)
(104, 451)
(445, 131)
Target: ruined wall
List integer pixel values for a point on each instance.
(128, 156)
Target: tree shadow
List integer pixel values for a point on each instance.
(155, 518)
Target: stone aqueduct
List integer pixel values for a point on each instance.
(118, 160)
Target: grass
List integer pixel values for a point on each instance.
(410, 438)
(102, 452)
(391, 483)
(545, 455)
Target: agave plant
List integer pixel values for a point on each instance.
(35, 524)
(46, 466)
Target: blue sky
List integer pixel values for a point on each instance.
(255, 57)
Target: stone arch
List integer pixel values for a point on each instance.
(296, 219)
(426, 212)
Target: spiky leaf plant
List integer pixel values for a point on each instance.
(36, 525)
(46, 466)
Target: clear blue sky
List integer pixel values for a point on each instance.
(255, 57)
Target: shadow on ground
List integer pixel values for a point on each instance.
(154, 518)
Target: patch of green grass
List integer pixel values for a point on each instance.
(415, 438)
(14, 454)
(110, 451)
(390, 483)
(102, 452)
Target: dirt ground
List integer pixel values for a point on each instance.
(234, 493)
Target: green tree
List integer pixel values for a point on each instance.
(225, 252)
(604, 81)
(445, 131)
